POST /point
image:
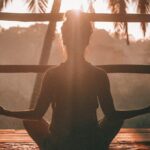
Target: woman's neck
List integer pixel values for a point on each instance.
(76, 60)
(75, 56)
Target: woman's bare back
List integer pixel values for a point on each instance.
(75, 97)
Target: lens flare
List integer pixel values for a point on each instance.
(74, 4)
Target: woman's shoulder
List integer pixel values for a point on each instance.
(52, 71)
(100, 70)
(100, 74)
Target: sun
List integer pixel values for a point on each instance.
(74, 4)
(99, 5)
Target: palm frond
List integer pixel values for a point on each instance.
(4, 3)
(90, 6)
(37, 6)
(119, 7)
(43, 5)
(143, 7)
(91, 9)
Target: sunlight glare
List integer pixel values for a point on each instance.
(74, 4)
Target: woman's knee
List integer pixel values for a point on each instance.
(111, 121)
(116, 123)
(111, 124)
(39, 127)
(27, 122)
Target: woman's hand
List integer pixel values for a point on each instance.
(2, 110)
(147, 109)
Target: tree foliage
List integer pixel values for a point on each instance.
(4, 3)
(143, 8)
(37, 6)
(119, 7)
(116, 7)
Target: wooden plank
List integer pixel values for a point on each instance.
(143, 69)
(101, 17)
(126, 139)
(127, 135)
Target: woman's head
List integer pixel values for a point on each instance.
(76, 32)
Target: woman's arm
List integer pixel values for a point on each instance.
(129, 114)
(107, 105)
(41, 106)
(28, 114)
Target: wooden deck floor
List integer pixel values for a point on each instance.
(127, 139)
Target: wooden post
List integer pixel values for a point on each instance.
(45, 51)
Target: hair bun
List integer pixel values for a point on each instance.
(74, 15)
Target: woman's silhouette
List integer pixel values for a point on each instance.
(74, 89)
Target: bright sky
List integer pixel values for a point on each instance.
(100, 6)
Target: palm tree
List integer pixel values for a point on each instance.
(143, 8)
(120, 6)
(4, 3)
(116, 6)
(35, 6)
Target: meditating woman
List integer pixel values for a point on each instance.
(74, 89)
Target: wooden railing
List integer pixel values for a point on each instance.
(31, 17)
(101, 17)
(143, 69)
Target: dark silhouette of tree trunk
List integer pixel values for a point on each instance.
(45, 51)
